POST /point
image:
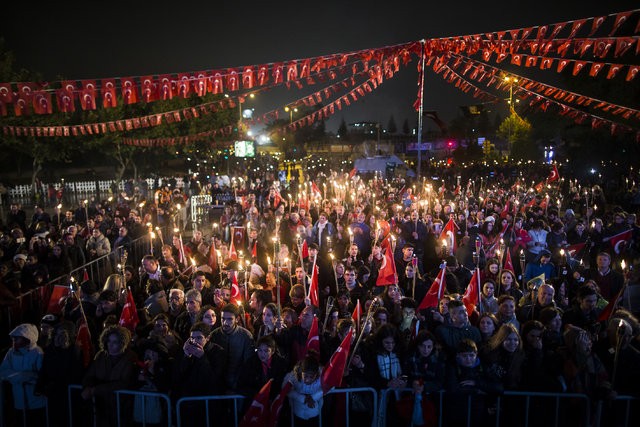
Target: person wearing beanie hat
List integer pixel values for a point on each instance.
(20, 368)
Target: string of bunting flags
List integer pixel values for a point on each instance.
(28, 97)
(541, 46)
(541, 94)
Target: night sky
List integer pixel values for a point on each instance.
(87, 40)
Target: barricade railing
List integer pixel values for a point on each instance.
(614, 413)
(349, 394)
(146, 404)
(577, 400)
(384, 401)
(24, 411)
(32, 305)
(234, 398)
(72, 412)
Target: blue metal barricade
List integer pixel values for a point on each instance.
(620, 412)
(235, 398)
(146, 405)
(78, 388)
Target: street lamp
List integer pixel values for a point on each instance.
(290, 110)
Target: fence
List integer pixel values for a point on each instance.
(623, 411)
(74, 193)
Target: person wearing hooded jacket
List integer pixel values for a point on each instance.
(20, 368)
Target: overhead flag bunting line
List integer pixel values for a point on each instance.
(41, 96)
(579, 116)
(540, 41)
(179, 115)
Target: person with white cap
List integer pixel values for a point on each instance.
(20, 368)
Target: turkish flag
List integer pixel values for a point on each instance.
(24, 102)
(184, 85)
(88, 95)
(387, 273)
(238, 237)
(166, 88)
(313, 339)
(620, 241)
(232, 251)
(357, 314)
(292, 71)
(129, 90)
(254, 250)
(148, 89)
(472, 294)
(606, 312)
(65, 97)
(108, 92)
(57, 294)
(305, 249)
(42, 102)
(260, 410)
(248, 78)
(233, 82)
(217, 85)
(277, 404)
(315, 190)
(574, 249)
(313, 288)
(432, 298)
(6, 93)
(449, 233)
(263, 75)
(539, 186)
(235, 289)
(84, 343)
(129, 316)
(278, 73)
(332, 375)
(508, 264)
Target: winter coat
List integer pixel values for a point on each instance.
(21, 367)
(298, 393)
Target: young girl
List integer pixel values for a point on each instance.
(305, 396)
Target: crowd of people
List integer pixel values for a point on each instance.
(237, 303)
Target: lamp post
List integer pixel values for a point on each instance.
(510, 81)
(290, 110)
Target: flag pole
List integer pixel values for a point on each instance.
(420, 106)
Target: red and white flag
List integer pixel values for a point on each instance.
(572, 250)
(84, 343)
(553, 174)
(277, 404)
(236, 296)
(449, 234)
(313, 339)
(620, 241)
(432, 298)
(313, 288)
(387, 273)
(260, 409)
(232, 252)
(471, 296)
(332, 375)
(57, 294)
(357, 315)
(508, 264)
(129, 316)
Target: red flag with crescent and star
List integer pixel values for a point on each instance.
(260, 410)
(553, 175)
(313, 339)
(432, 298)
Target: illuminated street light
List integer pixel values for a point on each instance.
(290, 111)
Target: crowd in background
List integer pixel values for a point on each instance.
(232, 306)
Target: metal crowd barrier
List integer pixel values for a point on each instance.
(629, 419)
(25, 421)
(347, 392)
(206, 399)
(145, 395)
(78, 387)
(557, 397)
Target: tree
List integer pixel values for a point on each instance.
(405, 127)
(391, 126)
(517, 131)
(343, 133)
